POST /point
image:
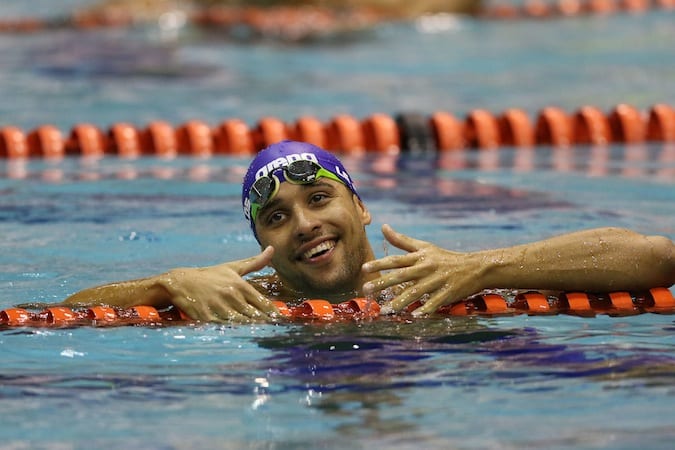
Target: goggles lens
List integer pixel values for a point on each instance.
(297, 172)
(262, 190)
(302, 172)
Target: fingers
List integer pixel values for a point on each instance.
(263, 304)
(218, 294)
(237, 310)
(203, 312)
(432, 286)
(254, 263)
(440, 298)
(197, 311)
(394, 278)
(241, 307)
(413, 246)
(401, 240)
(247, 301)
(390, 262)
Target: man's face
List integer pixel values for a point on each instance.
(319, 238)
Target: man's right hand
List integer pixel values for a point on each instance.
(219, 293)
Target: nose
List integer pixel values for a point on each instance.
(307, 222)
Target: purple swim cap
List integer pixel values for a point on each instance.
(270, 160)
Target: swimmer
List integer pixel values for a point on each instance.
(310, 222)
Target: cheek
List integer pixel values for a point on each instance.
(273, 238)
(265, 236)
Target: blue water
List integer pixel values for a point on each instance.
(507, 382)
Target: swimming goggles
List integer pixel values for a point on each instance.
(297, 172)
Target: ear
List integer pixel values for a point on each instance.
(363, 212)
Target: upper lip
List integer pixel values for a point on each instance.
(311, 244)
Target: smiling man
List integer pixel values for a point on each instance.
(300, 200)
(306, 214)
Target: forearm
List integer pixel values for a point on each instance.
(147, 291)
(607, 259)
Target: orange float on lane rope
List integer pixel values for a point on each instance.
(515, 128)
(634, 6)
(102, 313)
(463, 308)
(481, 130)
(621, 300)
(46, 141)
(15, 316)
(195, 138)
(13, 143)
(145, 313)
(660, 300)
(627, 124)
(86, 140)
(448, 131)
(125, 140)
(485, 304)
(661, 123)
(577, 303)
(309, 129)
(344, 134)
(537, 9)
(495, 304)
(268, 131)
(569, 8)
(532, 302)
(553, 128)
(358, 308)
(621, 303)
(591, 127)
(380, 134)
(315, 309)
(161, 139)
(59, 315)
(233, 137)
(601, 7)
(665, 4)
(283, 308)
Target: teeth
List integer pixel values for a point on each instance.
(324, 246)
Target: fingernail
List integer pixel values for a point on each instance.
(368, 288)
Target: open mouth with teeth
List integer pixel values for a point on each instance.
(318, 251)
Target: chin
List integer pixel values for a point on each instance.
(332, 287)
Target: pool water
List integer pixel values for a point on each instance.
(504, 382)
(523, 381)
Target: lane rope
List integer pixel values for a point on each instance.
(307, 22)
(561, 9)
(440, 132)
(619, 304)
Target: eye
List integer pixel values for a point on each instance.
(274, 217)
(317, 197)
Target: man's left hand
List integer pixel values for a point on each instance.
(438, 276)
